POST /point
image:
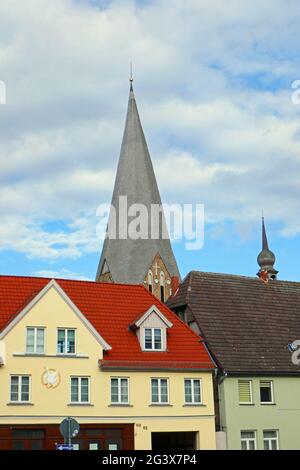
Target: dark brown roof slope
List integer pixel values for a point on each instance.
(247, 324)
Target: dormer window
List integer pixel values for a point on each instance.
(153, 339)
(151, 330)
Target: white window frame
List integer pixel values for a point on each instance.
(20, 376)
(35, 328)
(247, 440)
(272, 393)
(251, 392)
(119, 402)
(80, 402)
(270, 439)
(193, 402)
(66, 353)
(153, 328)
(159, 402)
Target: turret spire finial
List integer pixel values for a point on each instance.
(266, 258)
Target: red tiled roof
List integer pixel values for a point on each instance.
(111, 308)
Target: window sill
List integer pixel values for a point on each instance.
(26, 354)
(120, 405)
(193, 404)
(80, 404)
(12, 403)
(160, 404)
(246, 404)
(73, 356)
(154, 350)
(268, 404)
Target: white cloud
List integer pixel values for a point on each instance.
(212, 81)
(62, 274)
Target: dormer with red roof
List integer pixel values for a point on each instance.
(151, 330)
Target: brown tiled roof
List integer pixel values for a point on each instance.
(247, 324)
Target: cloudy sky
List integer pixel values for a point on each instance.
(213, 82)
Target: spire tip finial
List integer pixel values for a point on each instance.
(131, 77)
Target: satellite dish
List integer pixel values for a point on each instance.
(292, 347)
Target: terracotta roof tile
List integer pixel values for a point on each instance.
(111, 308)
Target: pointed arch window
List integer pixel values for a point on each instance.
(150, 280)
(162, 286)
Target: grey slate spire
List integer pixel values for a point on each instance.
(127, 260)
(266, 258)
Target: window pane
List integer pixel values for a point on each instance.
(114, 391)
(84, 390)
(270, 434)
(188, 391)
(164, 390)
(71, 342)
(61, 341)
(247, 434)
(154, 390)
(197, 395)
(25, 388)
(266, 445)
(14, 388)
(251, 445)
(148, 338)
(40, 340)
(157, 338)
(74, 389)
(30, 340)
(274, 445)
(124, 390)
(244, 445)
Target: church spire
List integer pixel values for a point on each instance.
(266, 258)
(144, 259)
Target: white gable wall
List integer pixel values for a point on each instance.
(152, 321)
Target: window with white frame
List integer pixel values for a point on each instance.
(266, 391)
(153, 339)
(245, 392)
(20, 388)
(248, 440)
(119, 390)
(159, 391)
(35, 340)
(192, 391)
(80, 389)
(65, 341)
(271, 441)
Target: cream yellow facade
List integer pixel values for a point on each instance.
(50, 402)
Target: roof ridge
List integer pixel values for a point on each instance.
(69, 280)
(240, 276)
